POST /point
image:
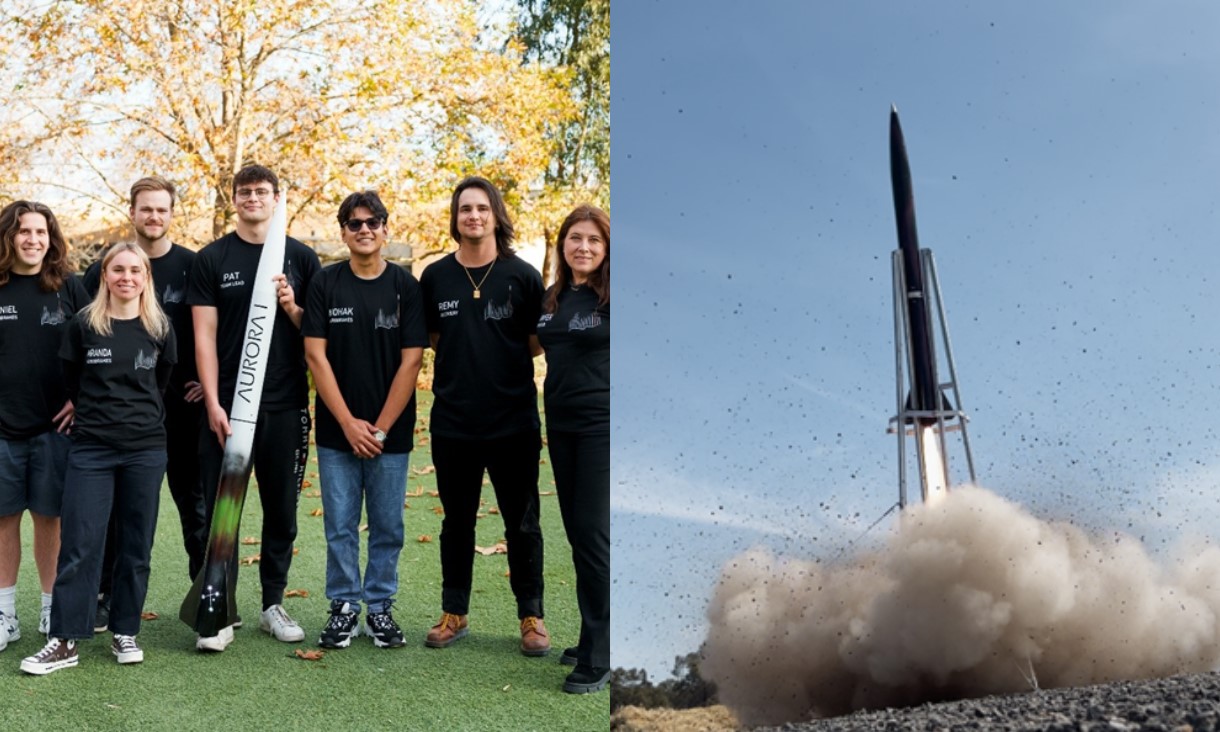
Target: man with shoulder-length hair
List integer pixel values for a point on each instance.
(38, 295)
(152, 213)
(222, 287)
(364, 340)
(482, 304)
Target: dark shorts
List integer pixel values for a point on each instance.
(32, 474)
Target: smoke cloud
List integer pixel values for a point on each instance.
(970, 597)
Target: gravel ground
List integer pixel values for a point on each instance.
(1177, 704)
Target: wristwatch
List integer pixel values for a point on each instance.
(379, 436)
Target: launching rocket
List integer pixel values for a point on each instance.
(923, 403)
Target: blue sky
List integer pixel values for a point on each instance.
(1064, 158)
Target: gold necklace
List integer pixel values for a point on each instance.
(478, 286)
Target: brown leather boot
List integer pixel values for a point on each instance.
(535, 641)
(444, 633)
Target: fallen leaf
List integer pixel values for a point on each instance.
(149, 615)
(313, 494)
(316, 512)
(249, 541)
(493, 510)
(416, 493)
(434, 494)
(498, 548)
(507, 687)
(305, 655)
(296, 551)
(508, 573)
(480, 515)
(547, 493)
(426, 470)
(364, 527)
(439, 511)
(306, 484)
(297, 593)
(424, 539)
(423, 440)
(251, 560)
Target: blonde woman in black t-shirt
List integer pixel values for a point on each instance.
(117, 356)
(574, 330)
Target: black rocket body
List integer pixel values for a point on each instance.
(924, 394)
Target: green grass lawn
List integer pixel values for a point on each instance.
(480, 683)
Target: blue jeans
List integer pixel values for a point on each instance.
(380, 484)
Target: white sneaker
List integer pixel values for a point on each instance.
(10, 630)
(217, 642)
(275, 621)
(125, 649)
(44, 620)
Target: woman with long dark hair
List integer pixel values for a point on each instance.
(117, 357)
(574, 331)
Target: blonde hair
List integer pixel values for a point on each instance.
(97, 313)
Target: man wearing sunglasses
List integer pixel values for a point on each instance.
(222, 286)
(482, 304)
(364, 339)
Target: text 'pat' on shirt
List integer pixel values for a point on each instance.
(484, 374)
(32, 324)
(576, 339)
(118, 402)
(366, 325)
(223, 278)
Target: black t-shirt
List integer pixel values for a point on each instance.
(223, 278)
(32, 324)
(118, 402)
(576, 338)
(366, 324)
(171, 275)
(484, 375)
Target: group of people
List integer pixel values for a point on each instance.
(128, 375)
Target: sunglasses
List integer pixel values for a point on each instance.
(354, 225)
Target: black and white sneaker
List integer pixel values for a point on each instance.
(101, 620)
(125, 649)
(56, 654)
(341, 627)
(384, 631)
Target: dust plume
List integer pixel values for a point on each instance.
(972, 596)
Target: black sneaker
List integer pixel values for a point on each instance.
(56, 654)
(586, 679)
(384, 631)
(101, 620)
(125, 649)
(569, 656)
(341, 627)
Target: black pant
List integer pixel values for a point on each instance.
(512, 464)
(183, 420)
(98, 479)
(582, 479)
(281, 448)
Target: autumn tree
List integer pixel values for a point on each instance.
(333, 95)
(574, 35)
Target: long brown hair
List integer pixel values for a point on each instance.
(96, 314)
(598, 281)
(54, 264)
(504, 225)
